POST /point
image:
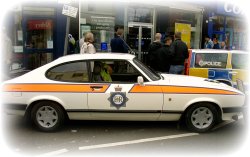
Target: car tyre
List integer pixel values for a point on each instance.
(47, 116)
(201, 117)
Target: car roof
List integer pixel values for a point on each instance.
(100, 55)
(217, 51)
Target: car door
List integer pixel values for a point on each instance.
(123, 98)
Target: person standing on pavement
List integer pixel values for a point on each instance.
(223, 45)
(179, 53)
(216, 43)
(87, 46)
(81, 41)
(165, 57)
(208, 43)
(117, 43)
(154, 51)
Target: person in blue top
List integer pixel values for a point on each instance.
(117, 43)
(216, 43)
(208, 43)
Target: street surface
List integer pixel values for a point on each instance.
(116, 138)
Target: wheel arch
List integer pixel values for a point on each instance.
(49, 98)
(202, 101)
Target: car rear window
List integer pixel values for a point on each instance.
(69, 72)
(211, 60)
(239, 61)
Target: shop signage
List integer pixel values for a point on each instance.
(230, 9)
(69, 11)
(102, 23)
(18, 49)
(40, 24)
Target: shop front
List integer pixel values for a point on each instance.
(140, 23)
(37, 31)
(228, 23)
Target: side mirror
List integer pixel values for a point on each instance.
(140, 80)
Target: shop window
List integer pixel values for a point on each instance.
(136, 14)
(39, 34)
(177, 16)
(211, 60)
(103, 29)
(69, 72)
(236, 35)
(218, 23)
(171, 20)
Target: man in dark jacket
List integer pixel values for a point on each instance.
(164, 56)
(117, 43)
(153, 52)
(179, 52)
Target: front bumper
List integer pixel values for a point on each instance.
(234, 113)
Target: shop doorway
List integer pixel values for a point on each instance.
(139, 38)
(39, 41)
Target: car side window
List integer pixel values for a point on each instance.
(114, 71)
(124, 72)
(239, 61)
(69, 72)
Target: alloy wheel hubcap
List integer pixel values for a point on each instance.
(202, 117)
(47, 116)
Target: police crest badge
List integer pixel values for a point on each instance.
(118, 99)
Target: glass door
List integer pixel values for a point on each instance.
(139, 38)
(146, 39)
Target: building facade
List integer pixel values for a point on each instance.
(39, 31)
(140, 20)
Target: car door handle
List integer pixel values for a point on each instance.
(96, 87)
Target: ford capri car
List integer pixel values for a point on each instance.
(117, 87)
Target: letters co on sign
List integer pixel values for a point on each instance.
(230, 9)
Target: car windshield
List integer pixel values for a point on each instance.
(149, 72)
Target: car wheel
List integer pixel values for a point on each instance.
(47, 116)
(201, 117)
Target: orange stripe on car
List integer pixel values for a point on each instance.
(179, 90)
(54, 88)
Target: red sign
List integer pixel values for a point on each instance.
(40, 24)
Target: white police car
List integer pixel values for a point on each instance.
(117, 87)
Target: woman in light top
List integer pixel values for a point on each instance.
(88, 46)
